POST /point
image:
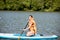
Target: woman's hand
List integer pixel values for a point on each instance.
(25, 29)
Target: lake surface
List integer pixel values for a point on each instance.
(15, 21)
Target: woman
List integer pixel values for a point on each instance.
(31, 26)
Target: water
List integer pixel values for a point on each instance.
(14, 21)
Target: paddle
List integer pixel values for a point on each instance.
(24, 28)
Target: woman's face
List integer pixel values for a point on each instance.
(30, 17)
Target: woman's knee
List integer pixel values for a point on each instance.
(28, 34)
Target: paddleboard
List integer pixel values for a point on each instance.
(24, 37)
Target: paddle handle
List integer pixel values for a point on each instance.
(24, 28)
(26, 25)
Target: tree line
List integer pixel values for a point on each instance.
(30, 5)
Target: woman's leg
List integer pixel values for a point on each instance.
(30, 33)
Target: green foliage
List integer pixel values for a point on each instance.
(2, 5)
(30, 5)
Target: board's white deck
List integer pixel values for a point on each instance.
(7, 35)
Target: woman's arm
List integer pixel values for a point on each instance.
(29, 25)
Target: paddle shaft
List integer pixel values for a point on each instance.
(24, 28)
